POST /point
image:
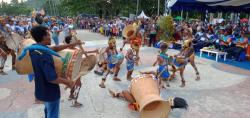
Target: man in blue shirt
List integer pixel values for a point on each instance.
(55, 33)
(46, 80)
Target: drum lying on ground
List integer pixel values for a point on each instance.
(146, 93)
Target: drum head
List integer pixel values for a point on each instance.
(88, 64)
(13, 41)
(101, 56)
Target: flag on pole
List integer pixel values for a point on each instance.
(206, 17)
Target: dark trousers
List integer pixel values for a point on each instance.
(234, 52)
(152, 40)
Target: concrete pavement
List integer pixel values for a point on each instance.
(222, 92)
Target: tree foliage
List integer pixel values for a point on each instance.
(15, 8)
(109, 8)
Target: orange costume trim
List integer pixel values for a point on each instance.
(136, 42)
(134, 106)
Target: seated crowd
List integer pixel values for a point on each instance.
(230, 38)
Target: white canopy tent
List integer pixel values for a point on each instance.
(142, 15)
(171, 3)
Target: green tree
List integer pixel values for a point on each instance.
(109, 7)
(15, 8)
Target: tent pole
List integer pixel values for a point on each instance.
(249, 20)
(166, 7)
(231, 16)
(187, 16)
(158, 12)
(181, 14)
(137, 8)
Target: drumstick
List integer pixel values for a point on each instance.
(80, 45)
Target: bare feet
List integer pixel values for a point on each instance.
(129, 78)
(2, 72)
(167, 84)
(112, 93)
(76, 104)
(13, 67)
(172, 77)
(198, 78)
(182, 84)
(102, 85)
(163, 87)
(71, 97)
(116, 79)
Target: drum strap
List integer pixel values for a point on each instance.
(38, 47)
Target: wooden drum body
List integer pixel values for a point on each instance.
(13, 41)
(146, 93)
(69, 68)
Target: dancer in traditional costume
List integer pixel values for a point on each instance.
(131, 58)
(101, 66)
(144, 96)
(5, 34)
(133, 36)
(113, 60)
(186, 55)
(163, 61)
(75, 91)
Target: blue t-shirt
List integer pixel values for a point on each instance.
(55, 30)
(44, 69)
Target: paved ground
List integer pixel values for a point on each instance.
(223, 91)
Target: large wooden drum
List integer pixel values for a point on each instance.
(69, 68)
(13, 41)
(146, 93)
